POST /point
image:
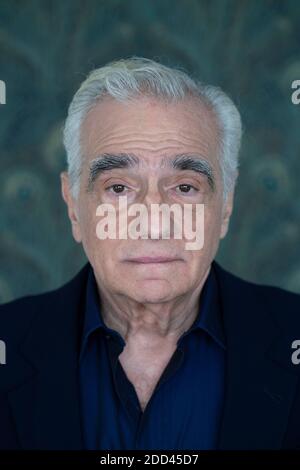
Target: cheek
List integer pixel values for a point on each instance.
(213, 220)
(103, 256)
(88, 227)
(93, 247)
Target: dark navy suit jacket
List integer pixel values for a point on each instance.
(39, 384)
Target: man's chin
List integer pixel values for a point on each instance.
(154, 291)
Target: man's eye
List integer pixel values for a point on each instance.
(116, 188)
(185, 188)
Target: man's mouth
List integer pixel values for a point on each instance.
(153, 259)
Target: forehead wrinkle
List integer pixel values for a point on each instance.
(188, 126)
(184, 135)
(157, 141)
(168, 139)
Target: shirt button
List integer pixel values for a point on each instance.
(107, 336)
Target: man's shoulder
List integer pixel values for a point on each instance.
(283, 304)
(17, 314)
(268, 289)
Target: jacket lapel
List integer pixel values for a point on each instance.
(260, 377)
(45, 398)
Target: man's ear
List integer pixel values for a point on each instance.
(71, 204)
(227, 210)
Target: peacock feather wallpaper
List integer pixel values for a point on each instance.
(250, 48)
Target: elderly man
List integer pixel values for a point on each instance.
(151, 345)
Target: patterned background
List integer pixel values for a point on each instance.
(250, 48)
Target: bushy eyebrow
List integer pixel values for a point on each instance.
(195, 163)
(107, 162)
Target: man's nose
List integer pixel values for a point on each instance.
(153, 196)
(159, 223)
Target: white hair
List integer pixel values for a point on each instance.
(125, 79)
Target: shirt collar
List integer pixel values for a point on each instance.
(209, 316)
(92, 313)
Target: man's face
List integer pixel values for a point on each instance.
(154, 133)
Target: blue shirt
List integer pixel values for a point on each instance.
(185, 409)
